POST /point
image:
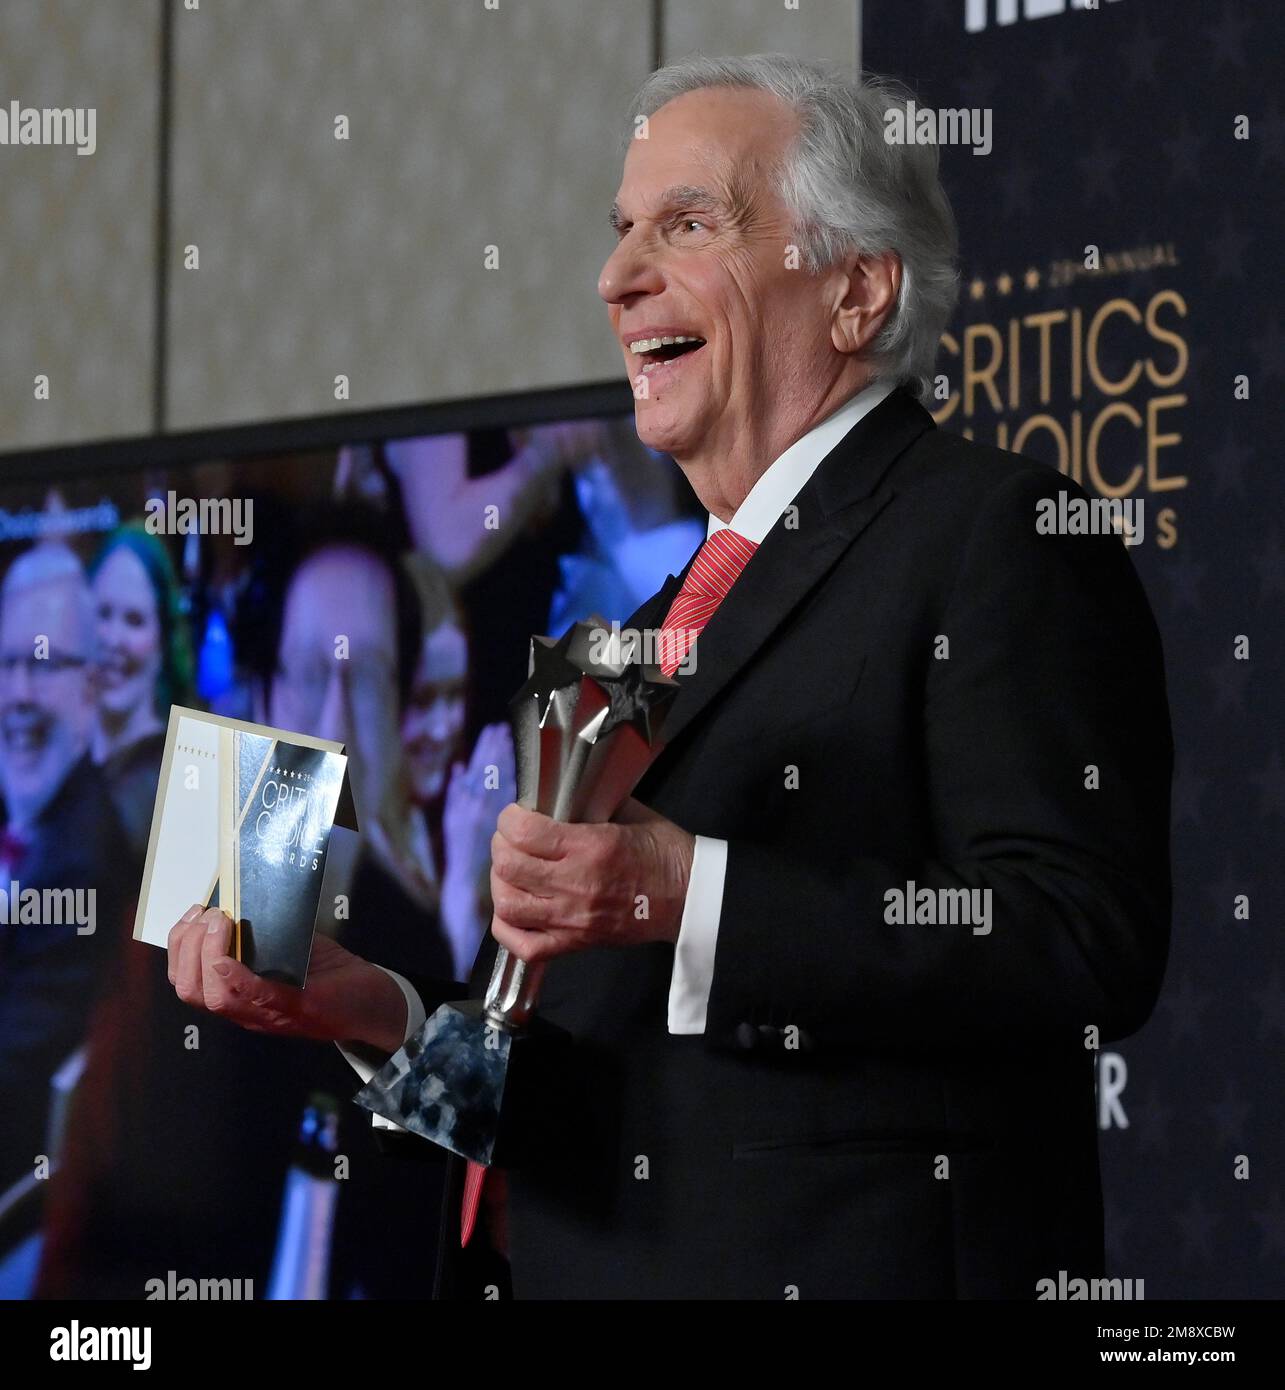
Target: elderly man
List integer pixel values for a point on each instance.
(58, 832)
(905, 855)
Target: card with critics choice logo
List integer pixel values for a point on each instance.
(243, 819)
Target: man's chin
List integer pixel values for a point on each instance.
(661, 425)
(25, 766)
(30, 782)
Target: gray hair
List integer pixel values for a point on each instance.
(849, 190)
(52, 562)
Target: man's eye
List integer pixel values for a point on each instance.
(689, 222)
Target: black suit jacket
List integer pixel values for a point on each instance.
(51, 974)
(906, 684)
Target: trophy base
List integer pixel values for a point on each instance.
(472, 1086)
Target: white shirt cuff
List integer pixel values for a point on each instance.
(367, 1061)
(692, 977)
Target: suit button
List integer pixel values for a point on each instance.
(746, 1036)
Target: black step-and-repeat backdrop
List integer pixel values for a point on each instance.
(1117, 174)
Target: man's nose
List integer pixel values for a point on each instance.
(631, 269)
(20, 683)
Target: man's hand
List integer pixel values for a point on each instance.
(559, 888)
(347, 998)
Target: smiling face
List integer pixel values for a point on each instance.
(703, 254)
(129, 633)
(45, 705)
(434, 716)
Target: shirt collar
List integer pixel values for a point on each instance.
(778, 486)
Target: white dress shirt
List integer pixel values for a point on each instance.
(366, 1061)
(692, 976)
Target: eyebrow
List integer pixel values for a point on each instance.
(680, 194)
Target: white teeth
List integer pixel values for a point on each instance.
(651, 344)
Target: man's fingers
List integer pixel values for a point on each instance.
(205, 975)
(178, 934)
(519, 869)
(521, 909)
(187, 967)
(529, 946)
(216, 945)
(237, 993)
(532, 832)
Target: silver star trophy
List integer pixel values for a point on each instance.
(475, 1078)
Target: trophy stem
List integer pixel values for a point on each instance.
(512, 993)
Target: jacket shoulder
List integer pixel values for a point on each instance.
(968, 471)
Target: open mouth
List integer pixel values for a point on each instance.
(655, 353)
(24, 738)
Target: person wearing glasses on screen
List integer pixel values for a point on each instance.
(58, 830)
(166, 1173)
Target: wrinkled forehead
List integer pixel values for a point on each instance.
(724, 140)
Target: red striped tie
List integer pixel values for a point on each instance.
(714, 570)
(474, 1176)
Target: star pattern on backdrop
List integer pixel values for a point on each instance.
(1154, 160)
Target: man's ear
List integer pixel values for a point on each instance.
(868, 292)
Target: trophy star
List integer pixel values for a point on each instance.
(550, 671)
(638, 698)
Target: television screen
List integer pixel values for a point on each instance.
(382, 593)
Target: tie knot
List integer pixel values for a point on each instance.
(718, 563)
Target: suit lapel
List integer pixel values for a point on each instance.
(832, 509)
(652, 612)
